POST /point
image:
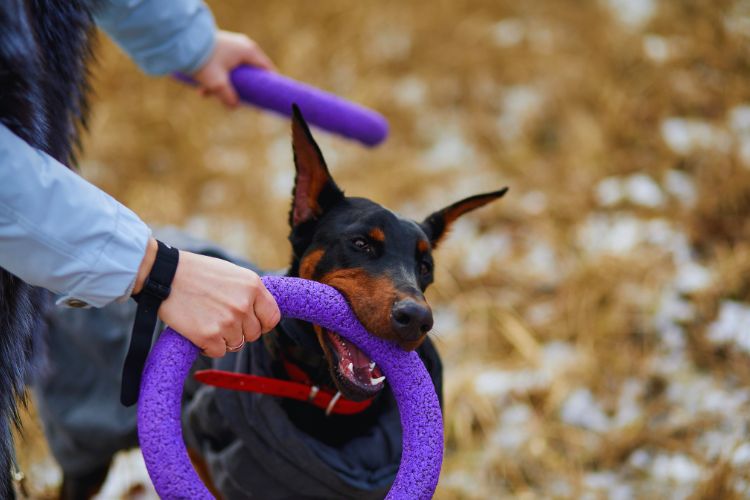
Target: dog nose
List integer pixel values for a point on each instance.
(410, 319)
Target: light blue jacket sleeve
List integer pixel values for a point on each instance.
(60, 232)
(161, 36)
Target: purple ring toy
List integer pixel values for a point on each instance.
(159, 422)
(277, 93)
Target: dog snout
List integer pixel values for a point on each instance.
(411, 319)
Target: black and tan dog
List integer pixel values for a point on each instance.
(249, 445)
(382, 264)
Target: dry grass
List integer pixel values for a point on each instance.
(535, 317)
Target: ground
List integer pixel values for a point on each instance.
(595, 323)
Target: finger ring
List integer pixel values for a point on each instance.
(236, 347)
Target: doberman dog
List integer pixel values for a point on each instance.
(382, 264)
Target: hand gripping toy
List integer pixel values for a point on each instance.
(159, 425)
(275, 92)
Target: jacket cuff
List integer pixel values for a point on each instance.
(121, 256)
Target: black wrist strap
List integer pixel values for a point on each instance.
(155, 290)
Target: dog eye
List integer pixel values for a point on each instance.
(361, 244)
(425, 268)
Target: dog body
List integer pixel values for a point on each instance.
(382, 264)
(249, 445)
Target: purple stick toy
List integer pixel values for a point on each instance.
(159, 423)
(276, 92)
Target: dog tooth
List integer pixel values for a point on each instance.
(376, 381)
(372, 365)
(350, 367)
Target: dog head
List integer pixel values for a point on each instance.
(381, 263)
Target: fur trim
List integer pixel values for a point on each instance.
(43, 53)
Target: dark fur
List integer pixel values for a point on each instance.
(43, 52)
(326, 225)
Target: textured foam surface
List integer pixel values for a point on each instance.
(276, 92)
(160, 431)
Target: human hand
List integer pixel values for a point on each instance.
(214, 303)
(231, 50)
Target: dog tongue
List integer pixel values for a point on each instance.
(351, 356)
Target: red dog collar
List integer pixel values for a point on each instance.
(301, 391)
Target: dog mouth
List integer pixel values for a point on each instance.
(356, 376)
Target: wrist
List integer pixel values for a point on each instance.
(146, 264)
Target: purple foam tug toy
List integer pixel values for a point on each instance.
(277, 93)
(159, 422)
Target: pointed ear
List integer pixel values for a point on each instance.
(436, 225)
(314, 189)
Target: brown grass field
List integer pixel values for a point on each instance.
(595, 323)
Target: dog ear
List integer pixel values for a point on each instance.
(437, 224)
(314, 189)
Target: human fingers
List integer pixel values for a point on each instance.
(254, 56)
(227, 95)
(236, 340)
(251, 327)
(266, 310)
(215, 346)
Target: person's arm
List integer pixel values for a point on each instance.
(160, 36)
(164, 37)
(60, 232)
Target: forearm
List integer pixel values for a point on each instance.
(161, 37)
(62, 233)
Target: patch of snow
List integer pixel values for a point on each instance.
(692, 277)
(499, 383)
(45, 474)
(681, 186)
(540, 313)
(600, 480)
(739, 119)
(509, 32)
(513, 428)
(463, 482)
(685, 136)
(483, 251)
(533, 202)
(656, 48)
(447, 321)
(643, 190)
(617, 235)
(279, 155)
(671, 311)
(449, 149)
(628, 407)
(229, 160)
(639, 189)
(127, 472)
(582, 410)
(639, 459)
(732, 325)
(703, 394)
(632, 13)
(741, 456)
(520, 105)
(677, 468)
(410, 91)
(739, 123)
(609, 191)
(391, 44)
(557, 357)
(542, 261)
(282, 182)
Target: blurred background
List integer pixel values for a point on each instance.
(595, 323)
